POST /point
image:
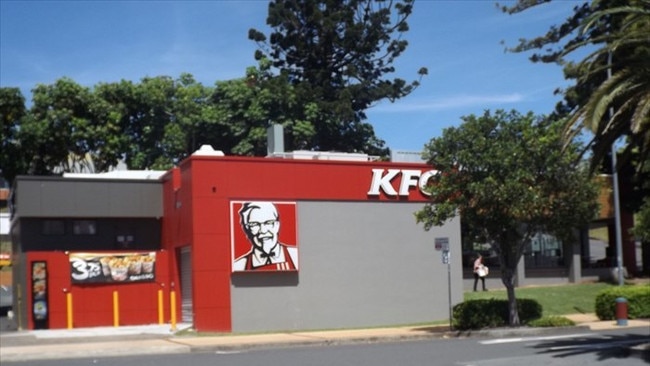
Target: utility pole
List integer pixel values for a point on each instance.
(617, 204)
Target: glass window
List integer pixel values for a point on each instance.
(53, 227)
(544, 251)
(84, 227)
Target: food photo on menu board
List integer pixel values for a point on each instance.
(111, 268)
(39, 280)
(39, 294)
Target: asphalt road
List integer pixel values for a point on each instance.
(585, 348)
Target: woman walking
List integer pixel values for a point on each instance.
(480, 271)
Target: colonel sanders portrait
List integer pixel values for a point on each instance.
(260, 222)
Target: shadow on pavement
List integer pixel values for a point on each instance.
(611, 347)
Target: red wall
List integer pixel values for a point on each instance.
(92, 304)
(197, 211)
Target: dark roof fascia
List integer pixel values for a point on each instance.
(77, 179)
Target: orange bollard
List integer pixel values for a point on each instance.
(68, 301)
(172, 309)
(116, 309)
(161, 309)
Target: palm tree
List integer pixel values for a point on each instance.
(620, 105)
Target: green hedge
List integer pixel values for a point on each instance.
(552, 321)
(638, 302)
(493, 313)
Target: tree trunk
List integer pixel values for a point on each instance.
(513, 313)
(509, 257)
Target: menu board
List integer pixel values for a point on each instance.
(39, 295)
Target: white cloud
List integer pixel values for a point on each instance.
(453, 102)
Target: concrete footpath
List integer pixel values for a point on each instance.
(160, 339)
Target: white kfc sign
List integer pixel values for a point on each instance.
(382, 181)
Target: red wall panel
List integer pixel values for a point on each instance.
(92, 304)
(276, 179)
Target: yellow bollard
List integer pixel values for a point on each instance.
(161, 309)
(116, 309)
(172, 308)
(68, 300)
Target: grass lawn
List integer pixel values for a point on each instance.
(555, 300)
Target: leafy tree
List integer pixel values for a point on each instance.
(54, 135)
(151, 114)
(152, 124)
(245, 108)
(193, 112)
(642, 228)
(505, 174)
(337, 56)
(148, 125)
(111, 107)
(12, 111)
(638, 200)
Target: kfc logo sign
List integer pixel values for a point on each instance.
(382, 181)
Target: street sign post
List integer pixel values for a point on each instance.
(442, 244)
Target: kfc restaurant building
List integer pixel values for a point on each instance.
(294, 241)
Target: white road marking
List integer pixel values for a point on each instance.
(232, 352)
(533, 339)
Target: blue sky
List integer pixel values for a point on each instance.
(459, 41)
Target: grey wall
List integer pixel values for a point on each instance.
(361, 264)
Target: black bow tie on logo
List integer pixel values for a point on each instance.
(268, 256)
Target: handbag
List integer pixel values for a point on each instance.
(483, 271)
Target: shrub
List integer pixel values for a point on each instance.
(552, 321)
(492, 313)
(638, 302)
